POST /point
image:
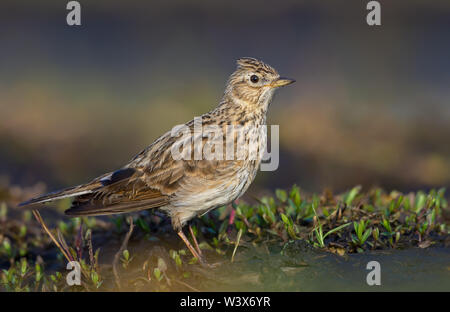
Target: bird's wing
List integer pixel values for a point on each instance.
(165, 173)
(123, 191)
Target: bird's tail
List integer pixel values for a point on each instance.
(65, 193)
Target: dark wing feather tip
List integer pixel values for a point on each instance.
(118, 175)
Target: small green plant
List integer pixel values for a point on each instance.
(376, 237)
(95, 278)
(423, 228)
(126, 259)
(143, 225)
(15, 278)
(318, 231)
(380, 220)
(7, 249)
(160, 271)
(290, 227)
(176, 257)
(420, 201)
(362, 234)
(281, 195)
(389, 233)
(394, 206)
(351, 195)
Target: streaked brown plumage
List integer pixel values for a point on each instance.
(186, 188)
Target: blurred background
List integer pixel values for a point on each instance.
(371, 105)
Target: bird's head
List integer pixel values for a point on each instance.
(254, 82)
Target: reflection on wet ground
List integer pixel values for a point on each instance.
(401, 270)
(298, 267)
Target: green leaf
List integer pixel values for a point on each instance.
(23, 267)
(356, 226)
(126, 254)
(281, 195)
(143, 225)
(362, 226)
(399, 202)
(178, 260)
(157, 274)
(352, 195)
(406, 203)
(336, 229)
(94, 277)
(420, 201)
(38, 270)
(295, 195)
(366, 235)
(387, 225)
(376, 234)
(7, 247)
(285, 219)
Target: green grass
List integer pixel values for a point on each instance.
(353, 222)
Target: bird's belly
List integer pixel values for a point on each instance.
(218, 194)
(199, 197)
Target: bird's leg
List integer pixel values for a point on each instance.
(195, 241)
(191, 248)
(232, 209)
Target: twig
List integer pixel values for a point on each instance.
(91, 249)
(79, 241)
(64, 245)
(122, 248)
(39, 219)
(237, 244)
(187, 285)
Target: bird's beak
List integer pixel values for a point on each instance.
(281, 82)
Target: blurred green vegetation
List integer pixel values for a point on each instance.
(155, 259)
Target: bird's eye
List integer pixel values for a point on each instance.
(254, 78)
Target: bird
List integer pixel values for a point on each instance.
(187, 187)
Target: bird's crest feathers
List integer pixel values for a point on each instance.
(250, 63)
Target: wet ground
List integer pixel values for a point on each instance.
(298, 267)
(401, 270)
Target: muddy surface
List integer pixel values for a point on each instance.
(299, 270)
(294, 267)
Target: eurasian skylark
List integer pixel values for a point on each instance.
(185, 188)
